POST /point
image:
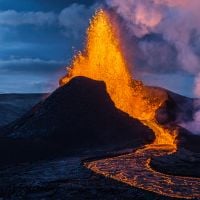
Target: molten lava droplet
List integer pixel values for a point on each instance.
(103, 60)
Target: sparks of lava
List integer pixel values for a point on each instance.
(103, 60)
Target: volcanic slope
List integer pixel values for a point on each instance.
(78, 115)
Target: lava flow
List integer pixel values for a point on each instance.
(103, 60)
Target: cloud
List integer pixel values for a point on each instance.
(19, 75)
(14, 18)
(75, 19)
(72, 20)
(156, 56)
(27, 83)
(30, 66)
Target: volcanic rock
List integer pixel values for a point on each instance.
(181, 163)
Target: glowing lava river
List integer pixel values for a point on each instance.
(134, 169)
(103, 60)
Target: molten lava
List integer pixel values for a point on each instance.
(103, 60)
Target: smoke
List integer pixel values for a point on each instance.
(176, 21)
(168, 35)
(193, 126)
(76, 16)
(197, 84)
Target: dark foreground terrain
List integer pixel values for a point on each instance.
(65, 179)
(42, 152)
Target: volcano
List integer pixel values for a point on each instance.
(78, 115)
(81, 115)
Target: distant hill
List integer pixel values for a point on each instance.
(178, 109)
(13, 106)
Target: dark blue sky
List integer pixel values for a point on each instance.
(44, 5)
(39, 37)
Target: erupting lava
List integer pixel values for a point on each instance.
(103, 60)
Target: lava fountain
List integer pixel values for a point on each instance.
(103, 60)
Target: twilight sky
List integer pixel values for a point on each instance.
(39, 37)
